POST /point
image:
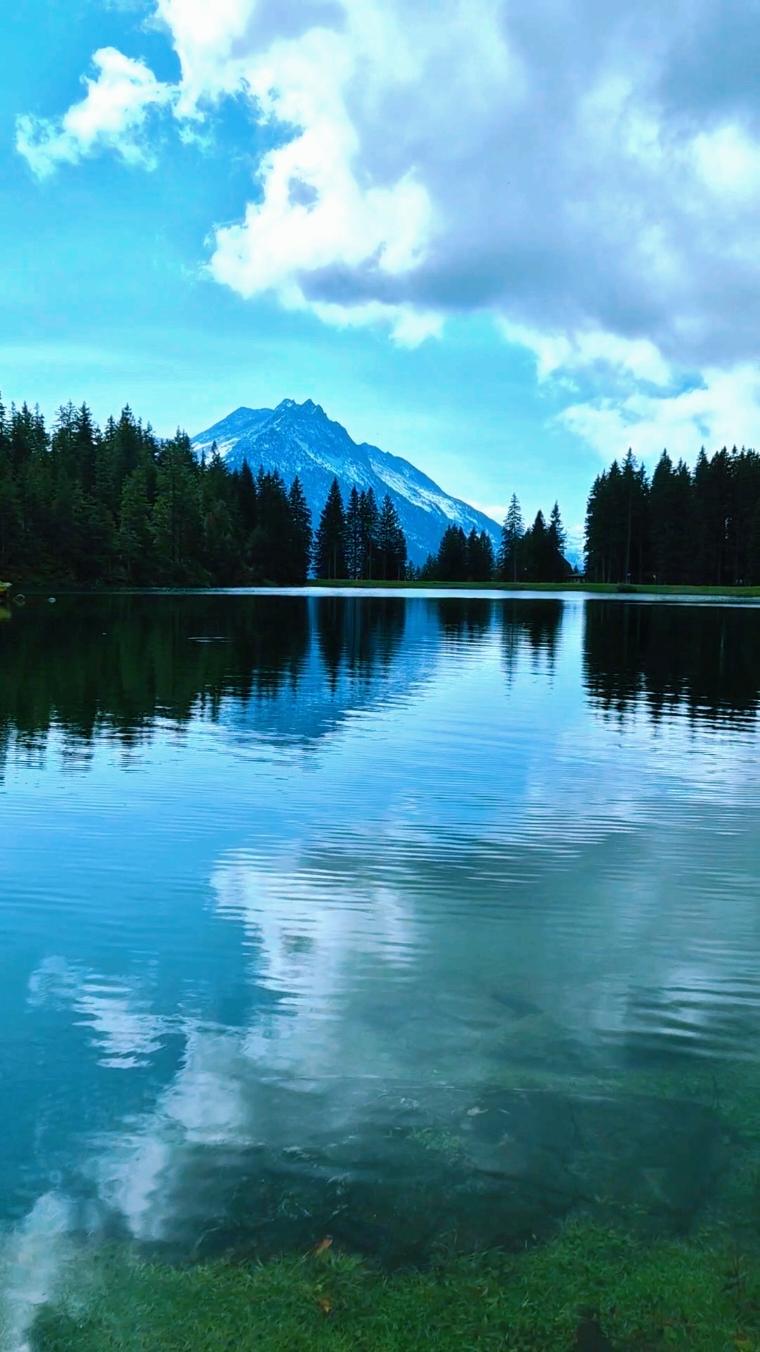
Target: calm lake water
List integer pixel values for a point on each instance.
(424, 922)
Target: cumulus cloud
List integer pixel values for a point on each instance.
(112, 115)
(724, 409)
(587, 174)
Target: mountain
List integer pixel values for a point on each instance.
(300, 439)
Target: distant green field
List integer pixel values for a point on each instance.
(610, 588)
(48, 586)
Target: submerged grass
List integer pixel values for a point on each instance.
(589, 1288)
(592, 1287)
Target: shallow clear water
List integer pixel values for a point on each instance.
(414, 920)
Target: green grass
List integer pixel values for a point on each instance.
(603, 588)
(587, 1285)
(590, 1287)
(48, 586)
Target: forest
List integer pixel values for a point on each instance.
(699, 526)
(123, 507)
(535, 554)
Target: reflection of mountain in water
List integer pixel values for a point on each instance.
(662, 659)
(287, 667)
(292, 667)
(116, 666)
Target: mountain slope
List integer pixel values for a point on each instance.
(301, 439)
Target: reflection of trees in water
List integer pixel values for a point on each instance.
(119, 663)
(662, 658)
(530, 628)
(116, 664)
(358, 636)
(463, 617)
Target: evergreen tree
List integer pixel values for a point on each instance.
(176, 514)
(480, 556)
(634, 490)
(354, 535)
(509, 562)
(539, 557)
(391, 543)
(451, 564)
(330, 544)
(558, 565)
(135, 538)
(670, 520)
(271, 541)
(247, 498)
(369, 518)
(299, 534)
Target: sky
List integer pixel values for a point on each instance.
(504, 240)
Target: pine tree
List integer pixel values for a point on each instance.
(354, 548)
(634, 489)
(330, 544)
(135, 539)
(299, 534)
(538, 551)
(369, 517)
(480, 556)
(451, 564)
(391, 543)
(271, 542)
(247, 499)
(176, 514)
(509, 558)
(557, 539)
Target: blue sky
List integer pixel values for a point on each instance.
(503, 247)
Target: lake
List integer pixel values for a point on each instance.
(424, 921)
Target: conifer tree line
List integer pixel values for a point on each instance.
(699, 526)
(121, 506)
(535, 554)
(359, 540)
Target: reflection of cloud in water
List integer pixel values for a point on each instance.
(546, 892)
(206, 1105)
(226, 1094)
(364, 989)
(32, 1259)
(308, 925)
(124, 1034)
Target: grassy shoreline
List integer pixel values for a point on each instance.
(50, 587)
(601, 588)
(589, 1288)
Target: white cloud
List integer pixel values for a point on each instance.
(728, 160)
(573, 351)
(112, 115)
(206, 35)
(314, 213)
(723, 410)
(587, 174)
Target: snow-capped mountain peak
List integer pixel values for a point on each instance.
(301, 439)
